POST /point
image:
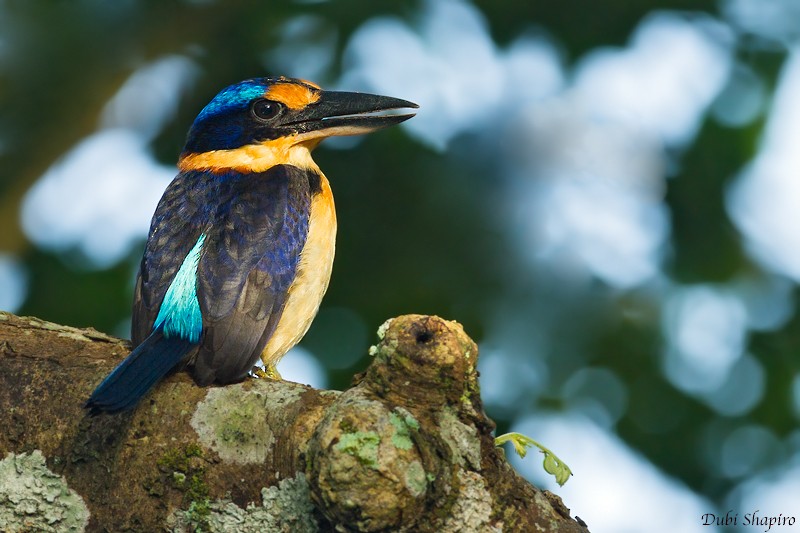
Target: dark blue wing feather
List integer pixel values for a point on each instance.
(249, 262)
(184, 211)
(182, 214)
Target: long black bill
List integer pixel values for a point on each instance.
(348, 113)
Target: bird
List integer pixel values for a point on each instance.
(241, 245)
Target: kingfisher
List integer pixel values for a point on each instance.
(241, 245)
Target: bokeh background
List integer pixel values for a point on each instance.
(606, 194)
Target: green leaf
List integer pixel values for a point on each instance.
(552, 464)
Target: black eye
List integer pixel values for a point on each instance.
(265, 109)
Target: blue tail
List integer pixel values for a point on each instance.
(133, 377)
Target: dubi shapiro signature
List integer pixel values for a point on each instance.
(754, 518)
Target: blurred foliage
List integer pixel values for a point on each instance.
(417, 229)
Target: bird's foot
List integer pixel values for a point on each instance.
(268, 372)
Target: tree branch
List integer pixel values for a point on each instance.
(407, 448)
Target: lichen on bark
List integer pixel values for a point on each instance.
(284, 507)
(33, 498)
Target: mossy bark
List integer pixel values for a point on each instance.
(407, 448)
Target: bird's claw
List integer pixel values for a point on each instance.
(268, 372)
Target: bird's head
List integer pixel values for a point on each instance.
(258, 123)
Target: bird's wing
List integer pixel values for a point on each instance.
(249, 261)
(180, 218)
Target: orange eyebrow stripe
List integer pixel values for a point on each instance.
(292, 95)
